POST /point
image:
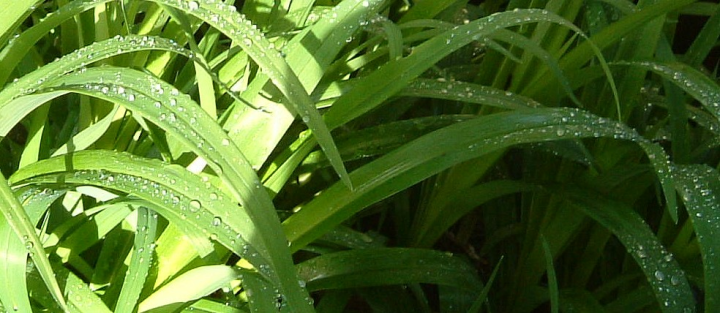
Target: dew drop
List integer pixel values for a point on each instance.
(225, 142)
(193, 5)
(675, 280)
(659, 275)
(195, 206)
(217, 221)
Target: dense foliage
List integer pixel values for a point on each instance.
(359, 155)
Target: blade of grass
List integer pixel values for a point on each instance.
(178, 114)
(14, 216)
(35, 201)
(373, 267)
(551, 276)
(12, 16)
(180, 196)
(190, 286)
(467, 92)
(434, 152)
(692, 81)
(662, 271)
(482, 297)
(15, 50)
(242, 32)
(699, 187)
(87, 136)
(389, 79)
(140, 262)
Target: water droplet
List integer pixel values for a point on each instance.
(193, 5)
(217, 221)
(675, 280)
(195, 206)
(29, 245)
(214, 236)
(213, 196)
(225, 142)
(659, 275)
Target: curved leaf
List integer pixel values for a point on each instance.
(451, 145)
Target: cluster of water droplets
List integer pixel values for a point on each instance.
(707, 93)
(663, 272)
(80, 58)
(197, 211)
(472, 93)
(699, 188)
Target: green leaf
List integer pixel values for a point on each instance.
(386, 266)
(699, 187)
(190, 286)
(140, 261)
(181, 197)
(252, 41)
(385, 82)
(163, 105)
(551, 276)
(694, 82)
(14, 217)
(13, 274)
(482, 297)
(667, 279)
(451, 145)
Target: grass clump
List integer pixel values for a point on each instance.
(359, 155)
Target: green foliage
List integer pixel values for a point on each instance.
(359, 155)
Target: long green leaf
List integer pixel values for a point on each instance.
(14, 217)
(140, 261)
(190, 286)
(695, 83)
(392, 77)
(35, 201)
(252, 41)
(699, 187)
(451, 145)
(163, 105)
(668, 281)
(386, 266)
